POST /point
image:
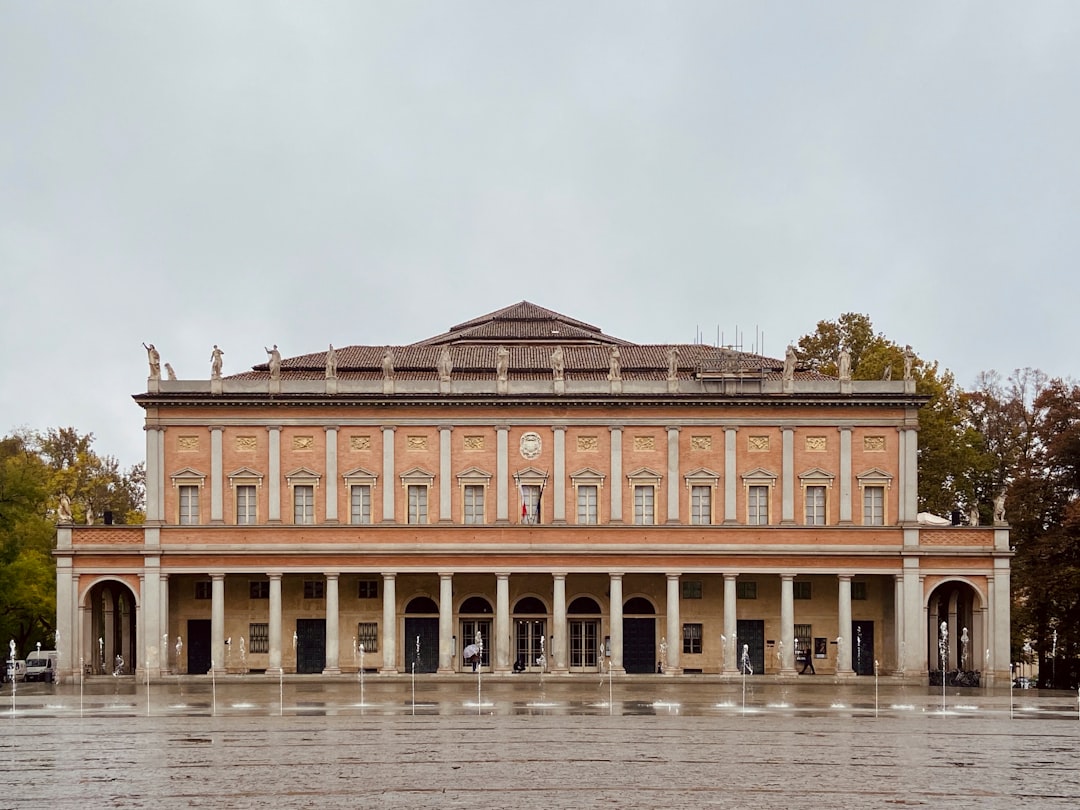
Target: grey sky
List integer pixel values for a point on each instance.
(304, 173)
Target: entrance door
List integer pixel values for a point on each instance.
(529, 643)
(310, 646)
(424, 631)
(468, 636)
(862, 649)
(584, 645)
(198, 646)
(639, 646)
(750, 633)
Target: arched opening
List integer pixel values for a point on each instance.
(421, 642)
(474, 617)
(530, 635)
(956, 633)
(583, 616)
(639, 636)
(112, 630)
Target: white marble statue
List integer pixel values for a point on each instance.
(170, 372)
(789, 363)
(673, 363)
(388, 364)
(614, 364)
(446, 365)
(558, 363)
(502, 363)
(216, 357)
(154, 359)
(331, 363)
(909, 362)
(63, 509)
(274, 362)
(844, 365)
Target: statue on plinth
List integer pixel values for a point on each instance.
(216, 356)
(154, 359)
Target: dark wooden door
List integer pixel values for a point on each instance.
(862, 648)
(310, 646)
(751, 634)
(198, 646)
(639, 646)
(427, 631)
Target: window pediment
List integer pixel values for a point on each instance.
(587, 475)
(245, 476)
(816, 475)
(417, 476)
(530, 476)
(644, 475)
(759, 475)
(359, 477)
(302, 476)
(474, 475)
(875, 476)
(188, 477)
(702, 476)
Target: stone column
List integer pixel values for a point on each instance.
(217, 623)
(914, 644)
(674, 627)
(843, 621)
(273, 474)
(274, 630)
(1000, 617)
(390, 486)
(502, 466)
(730, 478)
(502, 623)
(616, 629)
(445, 475)
(153, 476)
(558, 511)
(673, 488)
(66, 597)
(845, 475)
(333, 630)
(150, 613)
(898, 621)
(616, 488)
(911, 473)
(558, 632)
(167, 651)
(731, 625)
(217, 484)
(787, 624)
(389, 629)
(446, 623)
(331, 475)
(787, 516)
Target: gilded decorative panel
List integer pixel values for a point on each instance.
(874, 444)
(701, 442)
(644, 442)
(246, 443)
(303, 442)
(758, 443)
(474, 442)
(360, 442)
(588, 444)
(187, 444)
(816, 444)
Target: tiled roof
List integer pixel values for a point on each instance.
(526, 331)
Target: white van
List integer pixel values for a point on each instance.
(16, 672)
(41, 666)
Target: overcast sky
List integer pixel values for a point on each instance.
(305, 173)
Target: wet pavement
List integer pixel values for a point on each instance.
(523, 742)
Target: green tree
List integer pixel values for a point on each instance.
(95, 483)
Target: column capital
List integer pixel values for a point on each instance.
(730, 577)
(558, 575)
(334, 575)
(502, 575)
(212, 428)
(673, 428)
(617, 576)
(671, 576)
(844, 577)
(328, 428)
(388, 428)
(272, 428)
(389, 576)
(275, 576)
(614, 428)
(447, 428)
(787, 577)
(217, 577)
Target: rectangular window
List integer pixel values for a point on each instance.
(303, 504)
(189, 505)
(815, 506)
(700, 506)
(259, 638)
(259, 588)
(360, 504)
(746, 590)
(801, 589)
(367, 635)
(858, 591)
(873, 506)
(474, 504)
(202, 589)
(587, 514)
(758, 506)
(417, 503)
(245, 505)
(691, 639)
(314, 589)
(691, 589)
(530, 503)
(368, 589)
(644, 513)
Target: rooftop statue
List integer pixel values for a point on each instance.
(216, 356)
(331, 362)
(154, 359)
(275, 362)
(558, 364)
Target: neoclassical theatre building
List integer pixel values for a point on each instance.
(572, 500)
